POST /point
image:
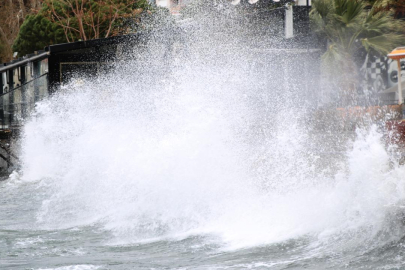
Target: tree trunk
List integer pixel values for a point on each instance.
(22, 9)
(81, 28)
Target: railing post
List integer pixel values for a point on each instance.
(11, 96)
(37, 72)
(2, 83)
(47, 83)
(23, 91)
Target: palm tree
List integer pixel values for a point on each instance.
(349, 27)
(398, 6)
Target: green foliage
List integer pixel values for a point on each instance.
(90, 19)
(349, 29)
(57, 22)
(36, 33)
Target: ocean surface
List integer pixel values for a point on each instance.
(342, 226)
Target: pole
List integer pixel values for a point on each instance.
(2, 84)
(10, 107)
(399, 82)
(37, 72)
(24, 87)
(288, 22)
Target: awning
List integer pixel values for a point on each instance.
(237, 2)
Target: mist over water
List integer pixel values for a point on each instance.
(203, 162)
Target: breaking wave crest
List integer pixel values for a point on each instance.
(189, 158)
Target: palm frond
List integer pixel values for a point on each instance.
(383, 44)
(349, 11)
(346, 22)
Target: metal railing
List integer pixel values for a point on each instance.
(22, 83)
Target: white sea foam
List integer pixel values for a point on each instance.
(185, 168)
(194, 153)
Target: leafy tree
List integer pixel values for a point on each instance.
(397, 6)
(36, 33)
(60, 21)
(350, 28)
(12, 15)
(91, 19)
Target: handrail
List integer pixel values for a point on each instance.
(25, 61)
